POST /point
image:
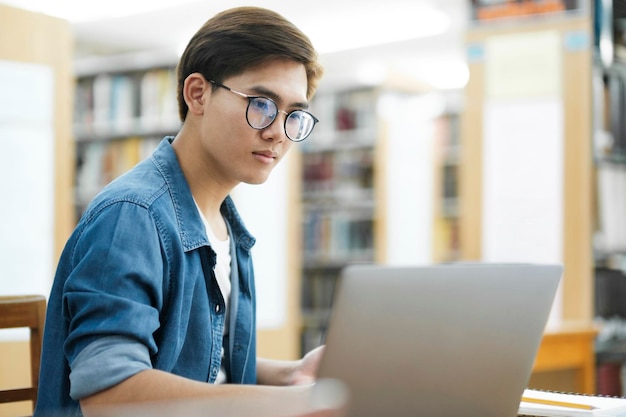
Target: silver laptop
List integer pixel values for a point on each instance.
(447, 340)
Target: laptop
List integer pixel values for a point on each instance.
(447, 340)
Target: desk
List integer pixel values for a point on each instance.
(569, 346)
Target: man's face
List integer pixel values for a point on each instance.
(235, 151)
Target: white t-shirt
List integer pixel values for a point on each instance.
(222, 273)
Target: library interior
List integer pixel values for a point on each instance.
(405, 166)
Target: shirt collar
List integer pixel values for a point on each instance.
(192, 230)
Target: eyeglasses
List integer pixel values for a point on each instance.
(262, 111)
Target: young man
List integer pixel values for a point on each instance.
(154, 294)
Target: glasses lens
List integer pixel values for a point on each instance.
(261, 112)
(299, 125)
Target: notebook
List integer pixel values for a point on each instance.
(446, 340)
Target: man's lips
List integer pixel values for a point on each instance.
(269, 154)
(266, 156)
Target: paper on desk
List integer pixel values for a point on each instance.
(604, 406)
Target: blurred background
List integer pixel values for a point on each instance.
(451, 130)
(421, 38)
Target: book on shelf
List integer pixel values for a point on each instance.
(318, 289)
(158, 102)
(617, 100)
(100, 162)
(611, 189)
(338, 235)
(348, 118)
(114, 102)
(126, 103)
(347, 171)
(539, 403)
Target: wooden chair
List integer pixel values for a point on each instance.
(24, 311)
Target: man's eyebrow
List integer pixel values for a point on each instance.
(260, 90)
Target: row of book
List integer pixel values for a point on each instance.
(319, 285)
(112, 103)
(340, 171)
(611, 338)
(100, 162)
(450, 181)
(446, 244)
(343, 112)
(339, 236)
(610, 318)
(609, 295)
(616, 85)
(310, 338)
(346, 110)
(318, 290)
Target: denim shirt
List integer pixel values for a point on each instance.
(139, 268)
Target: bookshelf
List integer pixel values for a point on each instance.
(124, 106)
(368, 185)
(447, 204)
(337, 200)
(609, 155)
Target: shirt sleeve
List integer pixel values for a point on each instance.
(113, 297)
(115, 358)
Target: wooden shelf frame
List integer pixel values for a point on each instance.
(577, 285)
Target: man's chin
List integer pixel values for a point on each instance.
(256, 180)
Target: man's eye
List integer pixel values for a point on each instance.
(262, 105)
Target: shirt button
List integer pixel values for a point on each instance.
(217, 308)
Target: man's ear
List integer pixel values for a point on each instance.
(194, 90)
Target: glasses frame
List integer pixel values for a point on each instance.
(287, 114)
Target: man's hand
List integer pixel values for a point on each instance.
(299, 372)
(306, 371)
